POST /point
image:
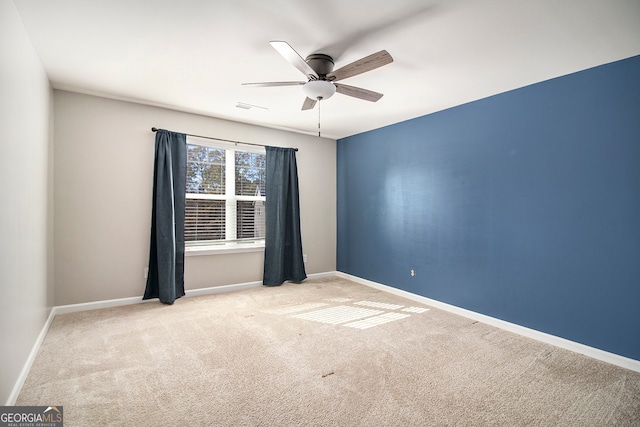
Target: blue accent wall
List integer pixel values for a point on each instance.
(524, 206)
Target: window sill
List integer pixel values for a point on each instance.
(223, 249)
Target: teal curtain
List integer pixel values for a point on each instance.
(283, 242)
(165, 279)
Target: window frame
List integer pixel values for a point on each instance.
(229, 245)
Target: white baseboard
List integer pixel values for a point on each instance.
(95, 305)
(322, 275)
(17, 388)
(566, 344)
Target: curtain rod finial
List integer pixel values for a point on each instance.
(154, 129)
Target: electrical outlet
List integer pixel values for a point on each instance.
(413, 273)
(304, 257)
(146, 272)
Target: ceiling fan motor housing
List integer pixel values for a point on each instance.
(321, 64)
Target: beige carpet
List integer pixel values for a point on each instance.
(327, 352)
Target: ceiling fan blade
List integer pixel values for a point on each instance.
(294, 58)
(308, 104)
(360, 66)
(271, 84)
(358, 92)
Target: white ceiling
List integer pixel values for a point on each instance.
(193, 55)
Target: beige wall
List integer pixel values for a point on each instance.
(103, 181)
(26, 213)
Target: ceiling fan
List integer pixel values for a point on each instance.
(321, 78)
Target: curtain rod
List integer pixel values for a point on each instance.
(155, 129)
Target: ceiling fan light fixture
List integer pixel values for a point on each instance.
(319, 89)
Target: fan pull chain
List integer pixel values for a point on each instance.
(319, 99)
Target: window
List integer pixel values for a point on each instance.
(225, 196)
